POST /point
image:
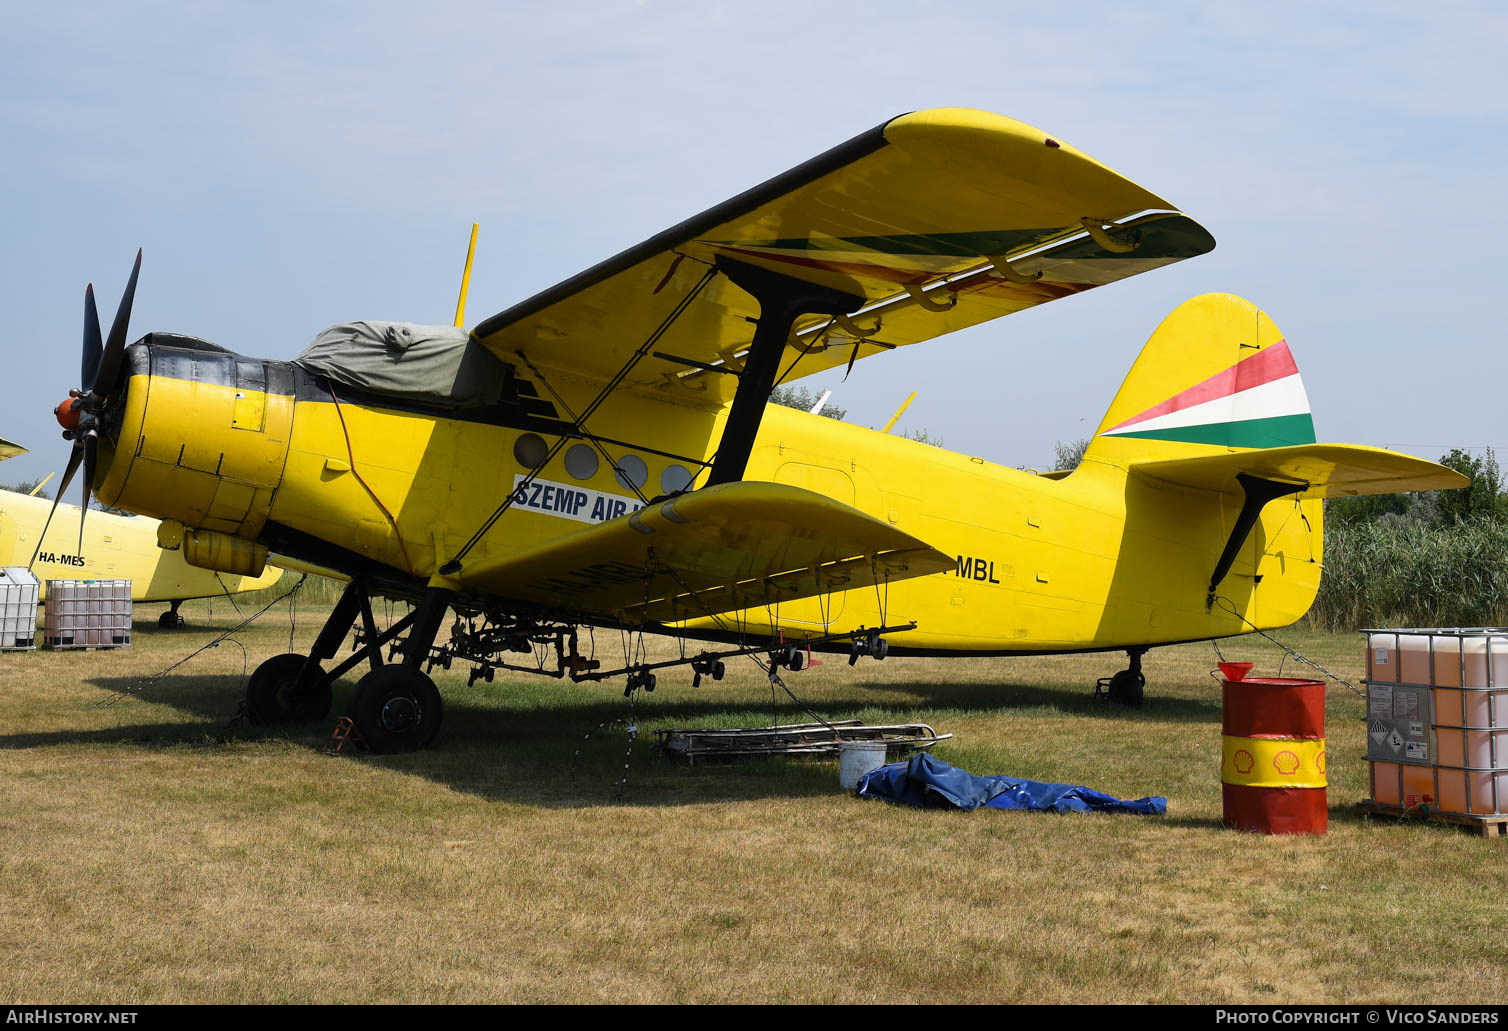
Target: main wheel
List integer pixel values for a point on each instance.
(1127, 688)
(396, 709)
(170, 620)
(270, 694)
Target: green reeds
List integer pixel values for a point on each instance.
(1402, 573)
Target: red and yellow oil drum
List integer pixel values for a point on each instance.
(1273, 770)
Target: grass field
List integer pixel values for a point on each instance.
(145, 856)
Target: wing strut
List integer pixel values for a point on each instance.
(781, 301)
(1258, 493)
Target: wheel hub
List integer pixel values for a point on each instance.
(401, 715)
(287, 693)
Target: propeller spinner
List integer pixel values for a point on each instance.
(80, 413)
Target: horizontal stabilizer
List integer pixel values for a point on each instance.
(1324, 471)
(720, 549)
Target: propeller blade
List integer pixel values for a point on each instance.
(115, 346)
(93, 347)
(91, 443)
(73, 467)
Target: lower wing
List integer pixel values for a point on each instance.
(736, 546)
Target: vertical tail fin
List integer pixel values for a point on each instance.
(1216, 376)
(1214, 409)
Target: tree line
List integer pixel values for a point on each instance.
(1437, 558)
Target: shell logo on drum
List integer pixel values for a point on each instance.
(1286, 762)
(1319, 760)
(1243, 761)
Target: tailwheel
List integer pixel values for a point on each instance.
(396, 709)
(273, 695)
(171, 619)
(1128, 687)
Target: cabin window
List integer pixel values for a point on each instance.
(581, 461)
(530, 450)
(675, 479)
(632, 472)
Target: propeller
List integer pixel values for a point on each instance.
(80, 414)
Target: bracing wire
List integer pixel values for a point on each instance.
(1229, 606)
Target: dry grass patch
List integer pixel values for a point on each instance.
(147, 859)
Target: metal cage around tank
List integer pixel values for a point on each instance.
(1437, 719)
(18, 609)
(87, 614)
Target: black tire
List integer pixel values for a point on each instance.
(269, 693)
(169, 620)
(1127, 688)
(396, 709)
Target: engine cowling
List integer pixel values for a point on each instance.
(200, 439)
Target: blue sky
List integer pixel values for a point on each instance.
(288, 166)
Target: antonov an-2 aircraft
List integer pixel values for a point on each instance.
(602, 454)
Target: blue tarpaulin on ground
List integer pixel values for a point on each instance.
(928, 782)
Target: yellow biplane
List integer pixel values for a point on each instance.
(602, 454)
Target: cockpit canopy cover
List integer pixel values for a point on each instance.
(432, 365)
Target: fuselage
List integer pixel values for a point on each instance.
(265, 451)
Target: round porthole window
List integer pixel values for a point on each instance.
(581, 461)
(675, 478)
(530, 450)
(632, 472)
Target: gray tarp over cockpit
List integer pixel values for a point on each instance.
(432, 365)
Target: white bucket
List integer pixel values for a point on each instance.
(855, 759)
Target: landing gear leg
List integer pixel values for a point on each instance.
(1126, 687)
(396, 708)
(295, 688)
(171, 620)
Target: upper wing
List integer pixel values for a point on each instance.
(736, 546)
(940, 219)
(9, 450)
(1325, 470)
